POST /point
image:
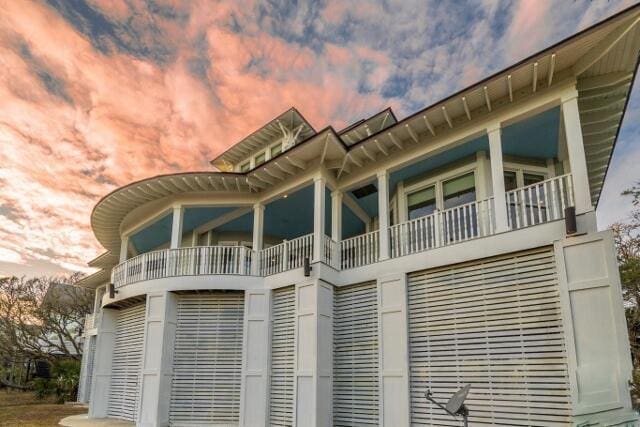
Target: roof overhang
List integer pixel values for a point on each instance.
(95, 280)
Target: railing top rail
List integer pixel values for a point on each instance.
(165, 250)
(536, 184)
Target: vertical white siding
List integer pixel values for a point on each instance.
(355, 357)
(497, 325)
(207, 365)
(282, 356)
(124, 393)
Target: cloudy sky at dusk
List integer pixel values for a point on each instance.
(97, 93)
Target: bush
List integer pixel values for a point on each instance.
(63, 384)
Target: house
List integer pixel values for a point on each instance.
(332, 277)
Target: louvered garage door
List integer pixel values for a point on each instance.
(124, 394)
(494, 324)
(207, 364)
(355, 357)
(282, 356)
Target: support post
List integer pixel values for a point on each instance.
(258, 236)
(336, 215)
(318, 217)
(124, 247)
(394, 351)
(383, 213)
(497, 178)
(160, 332)
(575, 150)
(106, 340)
(176, 227)
(254, 394)
(314, 354)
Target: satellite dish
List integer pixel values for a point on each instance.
(457, 400)
(455, 406)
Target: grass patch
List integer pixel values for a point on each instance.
(22, 409)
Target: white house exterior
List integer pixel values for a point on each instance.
(439, 258)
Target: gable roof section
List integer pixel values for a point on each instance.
(289, 121)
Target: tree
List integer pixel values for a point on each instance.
(627, 240)
(42, 318)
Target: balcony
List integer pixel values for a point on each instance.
(531, 205)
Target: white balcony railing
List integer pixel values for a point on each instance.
(89, 321)
(330, 253)
(534, 204)
(184, 262)
(286, 256)
(359, 250)
(540, 202)
(441, 228)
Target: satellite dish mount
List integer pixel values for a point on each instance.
(455, 406)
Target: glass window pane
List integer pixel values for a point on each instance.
(245, 167)
(275, 150)
(459, 191)
(530, 178)
(510, 182)
(422, 202)
(260, 159)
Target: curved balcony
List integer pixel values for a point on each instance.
(202, 260)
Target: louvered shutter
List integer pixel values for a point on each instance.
(282, 356)
(207, 365)
(355, 361)
(124, 394)
(495, 324)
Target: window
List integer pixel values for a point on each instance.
(275, 150)
(530, 178)
(422, 202)
(510, 181)
(458, 191)
(245, 167)
(260, 159)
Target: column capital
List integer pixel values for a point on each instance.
(337, 193)
(319, 177)
(382, 173)
(258, 206)
(494, 127)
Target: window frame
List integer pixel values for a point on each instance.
(437, 181)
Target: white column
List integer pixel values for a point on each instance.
(497, 178)
(481, 175)
(314, 354)
(176, 227)
(383, 213)
(255, 361)
(101, 383)
(124, 248)
(393, 351)
(258, 236)
(318, 217)
(336, 215)
(596, 338)
(157, 364)
(575, 150)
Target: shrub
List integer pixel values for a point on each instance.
(63, 383)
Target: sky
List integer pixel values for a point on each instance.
(95, 94)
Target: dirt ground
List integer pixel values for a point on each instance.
(23, 409)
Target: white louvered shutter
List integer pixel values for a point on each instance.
(124, 393)
(282, 356)
(207, 364)
(497, 325)
(355, 357)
